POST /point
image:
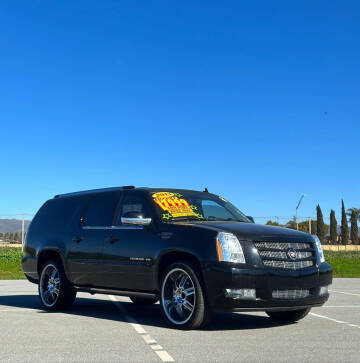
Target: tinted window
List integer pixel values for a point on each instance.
(100, 210)
(56, 214)
(133, 204)
(212, 209)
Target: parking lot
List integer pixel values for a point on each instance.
(105, 328)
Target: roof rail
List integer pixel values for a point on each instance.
(90, 191)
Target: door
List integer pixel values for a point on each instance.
(86, 250)
(129, 250)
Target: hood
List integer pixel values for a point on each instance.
(254, 231)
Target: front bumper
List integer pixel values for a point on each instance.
(221, 276)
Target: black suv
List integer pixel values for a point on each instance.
(194, 251)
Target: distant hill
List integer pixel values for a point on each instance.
(12, 225)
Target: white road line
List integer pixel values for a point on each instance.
(345, 293)
(139, 329)
(164, 355)
(341, 306)
(148, 339)
(335, 321)
(158, 349)
(18, 310)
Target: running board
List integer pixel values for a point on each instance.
(95, 290)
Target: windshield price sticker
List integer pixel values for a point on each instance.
(173, 204)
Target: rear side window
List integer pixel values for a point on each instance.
(55, 215)
(100, 210)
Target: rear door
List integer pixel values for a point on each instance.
(86, 250)
(129, 250)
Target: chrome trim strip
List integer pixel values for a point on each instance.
(124, 227)
(136, 221)
(112, 227)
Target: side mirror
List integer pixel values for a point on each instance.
(251, 219)
(135, 218)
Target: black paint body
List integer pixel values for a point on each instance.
(129, 260)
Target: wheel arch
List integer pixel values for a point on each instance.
(169, 257)
(49, 253)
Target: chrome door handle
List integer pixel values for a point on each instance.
(112, 239)
(77, 239)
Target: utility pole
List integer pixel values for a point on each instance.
(310, 225)
(22, 230)
(297, 207)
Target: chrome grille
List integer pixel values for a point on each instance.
(282, 245)
(290, 294)
(283, 255)
(275, 254)
(296, 265)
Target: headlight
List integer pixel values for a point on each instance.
(229, 248)
(319, 249)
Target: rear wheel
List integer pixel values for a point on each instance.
(143, 301)
(55, 291)
(288, 316)
(182, 297)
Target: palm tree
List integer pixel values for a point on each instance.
(355, 210)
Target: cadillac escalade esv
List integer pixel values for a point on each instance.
(193, 251)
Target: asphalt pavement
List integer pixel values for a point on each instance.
(104, 328)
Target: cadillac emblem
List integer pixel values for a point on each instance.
(292, 254)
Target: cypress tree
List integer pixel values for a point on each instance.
(354, 235)
(333, 227)
(320, 231)
(344, 226)
(313, 227)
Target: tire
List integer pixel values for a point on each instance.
(289, 316)
(55, 291)
(182, 297)
(143, 301)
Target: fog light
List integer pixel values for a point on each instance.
(324, 290)
(245, 294)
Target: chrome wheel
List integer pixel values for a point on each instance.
(49, 285)
(178, 296)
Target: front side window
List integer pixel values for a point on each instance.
(132, 204)
(188, 205)
(100, 210)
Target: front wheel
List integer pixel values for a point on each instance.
(182, 297)
(288, 316)
(55, 291)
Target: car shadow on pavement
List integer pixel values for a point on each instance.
(145, 315)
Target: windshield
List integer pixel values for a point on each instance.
(201, 206)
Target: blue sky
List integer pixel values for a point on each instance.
(258, 101)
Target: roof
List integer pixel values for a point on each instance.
(125, 187)
(91, 191)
